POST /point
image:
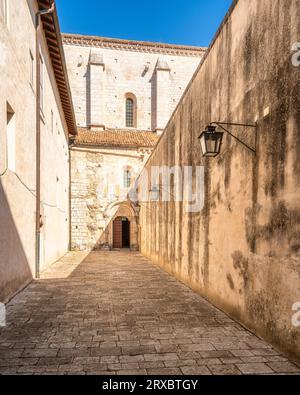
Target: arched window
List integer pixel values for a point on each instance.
(127, 178)
(130, 111)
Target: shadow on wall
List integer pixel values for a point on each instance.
(102, 243)
(15, 272)
(153, 101)
(106, 241)
(88, 96)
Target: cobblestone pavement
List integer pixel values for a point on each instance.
(116, 313)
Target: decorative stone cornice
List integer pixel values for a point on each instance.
(133, 46)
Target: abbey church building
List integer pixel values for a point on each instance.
(124, 94)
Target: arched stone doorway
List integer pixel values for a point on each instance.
(122, 229)
(121, 233)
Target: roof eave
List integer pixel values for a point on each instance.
(124, 146)
(55, 48)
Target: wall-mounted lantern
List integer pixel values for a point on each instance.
(211, 139)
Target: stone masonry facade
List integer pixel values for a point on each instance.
(103, 71)
(103, 74)
(98, 194)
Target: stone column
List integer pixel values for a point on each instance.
(97, 70)
(162, 94)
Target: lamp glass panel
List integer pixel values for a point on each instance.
(219, 141)
(210, 143)
(203, 143)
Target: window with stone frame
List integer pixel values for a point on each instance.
(129, 113)
(127, 178)
(130, 110)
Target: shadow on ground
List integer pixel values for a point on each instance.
(117, 313)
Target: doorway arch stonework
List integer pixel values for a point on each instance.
(126, 210)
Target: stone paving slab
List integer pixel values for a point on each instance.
(117, 313)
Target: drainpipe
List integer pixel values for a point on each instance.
(71, 145)
(38, 139)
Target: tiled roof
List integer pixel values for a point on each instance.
(116, 138)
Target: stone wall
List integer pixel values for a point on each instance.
(102, 75)
(18, 183)
(119, 71)
(99, 195)
(242, 251)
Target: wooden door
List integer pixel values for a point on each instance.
(125, 233)
(117, 233)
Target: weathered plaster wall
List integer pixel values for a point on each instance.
(18, 188)
(242, 251)
(99, 195)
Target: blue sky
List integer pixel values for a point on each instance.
(191, 22)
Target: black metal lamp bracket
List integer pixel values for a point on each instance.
(220, 124)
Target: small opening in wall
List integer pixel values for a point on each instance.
(131, 110)
(11, 137)
(127, 177)
(31, 70)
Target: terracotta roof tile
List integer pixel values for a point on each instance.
(117, 138)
